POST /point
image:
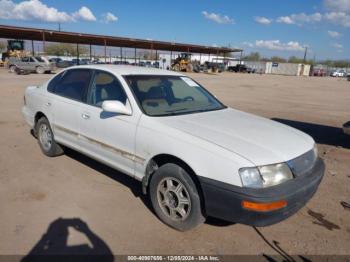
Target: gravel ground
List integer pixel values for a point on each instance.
(78, 202)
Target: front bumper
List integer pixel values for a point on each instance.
(224, 201)
(28, 116)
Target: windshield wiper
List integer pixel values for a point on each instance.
(176, 110)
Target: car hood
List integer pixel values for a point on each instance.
(257, 139)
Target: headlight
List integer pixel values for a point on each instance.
(265, 176)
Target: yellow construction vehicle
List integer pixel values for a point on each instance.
(15, 48)
(183, 63)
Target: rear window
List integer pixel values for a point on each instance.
(71, 84)
(39, 59)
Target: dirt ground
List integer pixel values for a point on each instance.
(76, 200)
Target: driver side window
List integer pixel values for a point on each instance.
(104, 87)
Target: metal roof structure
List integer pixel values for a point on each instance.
(46, 35)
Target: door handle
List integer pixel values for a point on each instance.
(85, 116)
(48, 104)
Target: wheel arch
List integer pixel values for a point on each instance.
(158, 160)
(37, 116)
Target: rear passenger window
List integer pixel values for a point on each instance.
(54, 81)
(73, 84)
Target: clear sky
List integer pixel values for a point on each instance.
(271, 27)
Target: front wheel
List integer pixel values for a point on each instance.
(175, 198)
(46, 138)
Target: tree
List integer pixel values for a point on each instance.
(278, 59)
(336, 63)
(296, 60)
(253, 56)
(60, 49)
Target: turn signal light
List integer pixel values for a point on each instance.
(263, 207)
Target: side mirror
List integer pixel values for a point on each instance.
(118, 107)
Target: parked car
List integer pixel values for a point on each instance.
(338, 73)
(241, 68)
(214, 67)
(55, 60)
(155, 64)
(195, 157)
(121, 63)
(319, 72)
(346, 128)
(348, 77)
(36, 64)
(141, 63)
(64, 64)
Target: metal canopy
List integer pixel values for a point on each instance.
(47, 35)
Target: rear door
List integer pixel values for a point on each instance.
(67, 96)
(23, 63)
(32, 64)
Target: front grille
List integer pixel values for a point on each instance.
(304, 163)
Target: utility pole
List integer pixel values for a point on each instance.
(59, 27)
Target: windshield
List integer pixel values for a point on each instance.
(160, 95)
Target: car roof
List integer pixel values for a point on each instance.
(128, 69)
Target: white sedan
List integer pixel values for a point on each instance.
(338, 73)
(194, 156)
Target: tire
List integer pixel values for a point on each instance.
(12, 69)
(169, 185)
(189, 68)
(46, 139)
(176, 67)
(40, 70)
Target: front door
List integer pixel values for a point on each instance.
(109, 137)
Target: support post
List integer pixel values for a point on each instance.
(78, 54)
(121, 54)
(90, 52)
(225, 61)
(151, 51)
(105, 42)
(135, 56)
(44, 48)
(33, 47)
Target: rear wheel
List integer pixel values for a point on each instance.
(175, 198)
(12, 69)
(40, 70)
(46, 138)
